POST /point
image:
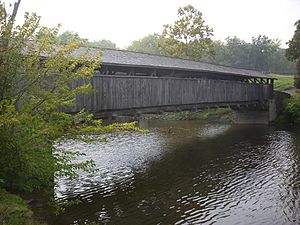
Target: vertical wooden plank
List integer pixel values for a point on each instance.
(93, 94)
(105, 92)
(101, 99)
(167, 91)
(113, 92)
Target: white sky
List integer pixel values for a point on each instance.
(123, 21)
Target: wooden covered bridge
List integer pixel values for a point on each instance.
(138, 82)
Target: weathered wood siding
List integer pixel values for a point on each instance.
(127, 92)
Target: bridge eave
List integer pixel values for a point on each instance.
(210, 72)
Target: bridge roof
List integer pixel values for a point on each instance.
(136, 59)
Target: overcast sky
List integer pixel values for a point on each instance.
(123, 21)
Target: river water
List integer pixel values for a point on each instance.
(184, 172)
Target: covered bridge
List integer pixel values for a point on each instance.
(136, 81)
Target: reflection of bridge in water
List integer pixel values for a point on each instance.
(138, 82)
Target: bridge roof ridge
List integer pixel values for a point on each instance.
(132, 58)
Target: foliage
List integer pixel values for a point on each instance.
(262, 51)
(14, 211)
(188, 37)
(224, 113)
(101, 44)
(233, 52)
(291, 112)
(211, 115)
(293, 52)
(283, 82)
(97, 128)
(38, 77)
(70, 36)
(262, 54)
(280, 64)
(32, 89)
(148, 44)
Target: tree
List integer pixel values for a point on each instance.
(237, 52)
(36, 74)
(101, 44)
(293, 52)
(188, 37)
(70, 36)
(262, 52)
(148, 44)
(280, 64)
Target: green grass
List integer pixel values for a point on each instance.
(14, 210)
(214, 113)
(284, 82)
(211, 115)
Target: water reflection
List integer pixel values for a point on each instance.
(188, 173)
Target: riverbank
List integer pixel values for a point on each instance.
(220, 115)
(291, 112)
(15, 211)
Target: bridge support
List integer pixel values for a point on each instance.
(264, 114)
(251, 116)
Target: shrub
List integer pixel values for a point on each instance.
(13, 210)
(292, 110)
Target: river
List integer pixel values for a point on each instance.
(185, 172)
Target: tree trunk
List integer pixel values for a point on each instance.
(6, 37)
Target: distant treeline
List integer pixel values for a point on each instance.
(69, 36)
(262, 53)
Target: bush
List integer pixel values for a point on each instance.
(32, 90)
(291, 112)
(39, 77)
(13, 210)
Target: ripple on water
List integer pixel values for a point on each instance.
(116, 161)
(247, 193)
(209, 175)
